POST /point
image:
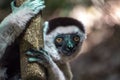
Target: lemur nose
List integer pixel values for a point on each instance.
(70, 45)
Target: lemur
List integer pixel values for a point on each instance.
(63, 38)
(10, 28)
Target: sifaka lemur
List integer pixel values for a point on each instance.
(11, 27)
(63, 38)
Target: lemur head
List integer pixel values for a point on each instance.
(67, 35)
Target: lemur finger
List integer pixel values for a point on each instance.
(39, 61)
(33, 3)
(32, 59)
(32, 53)
(41, 2)
(13, 6)
(40, 7)
(37, 9)
(43, 51)
(36, 54)
(45, 54)
(29, 53)
(37, 3)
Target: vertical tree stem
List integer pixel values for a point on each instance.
(32, 39)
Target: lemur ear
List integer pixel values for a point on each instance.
(45, 27)
(64, 21)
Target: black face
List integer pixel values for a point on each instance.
(67, 43)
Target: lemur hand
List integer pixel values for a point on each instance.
(34, 5)
(41, 57)
(21, 15)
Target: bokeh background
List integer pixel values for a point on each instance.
(100, 55)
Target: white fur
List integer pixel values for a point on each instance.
(3, 46)
(51, 49)
(65, 30)
(3, 73)
(56, 73)
(49, 46)
(20, 18)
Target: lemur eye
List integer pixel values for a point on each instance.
(59, 40)
(76, 38)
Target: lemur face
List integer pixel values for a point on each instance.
(67, 43)
(64, 38)
(67, 39)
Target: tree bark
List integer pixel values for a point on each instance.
(32, 39)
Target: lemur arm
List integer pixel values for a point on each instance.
(14, 23)
(54, 72)
(47, 45)
(65, 67)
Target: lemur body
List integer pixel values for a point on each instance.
(12, 26)
(63, 38)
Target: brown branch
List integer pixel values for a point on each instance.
(32, 39)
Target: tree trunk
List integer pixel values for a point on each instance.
(32, 39)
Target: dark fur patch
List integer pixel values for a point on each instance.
(64, 21)
(11, 60)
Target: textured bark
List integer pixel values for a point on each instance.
(31, 39)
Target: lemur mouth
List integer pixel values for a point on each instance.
(68, 52)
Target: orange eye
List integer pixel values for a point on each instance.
(76, 39)
(59, 40)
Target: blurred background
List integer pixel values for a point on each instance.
(100, 55)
